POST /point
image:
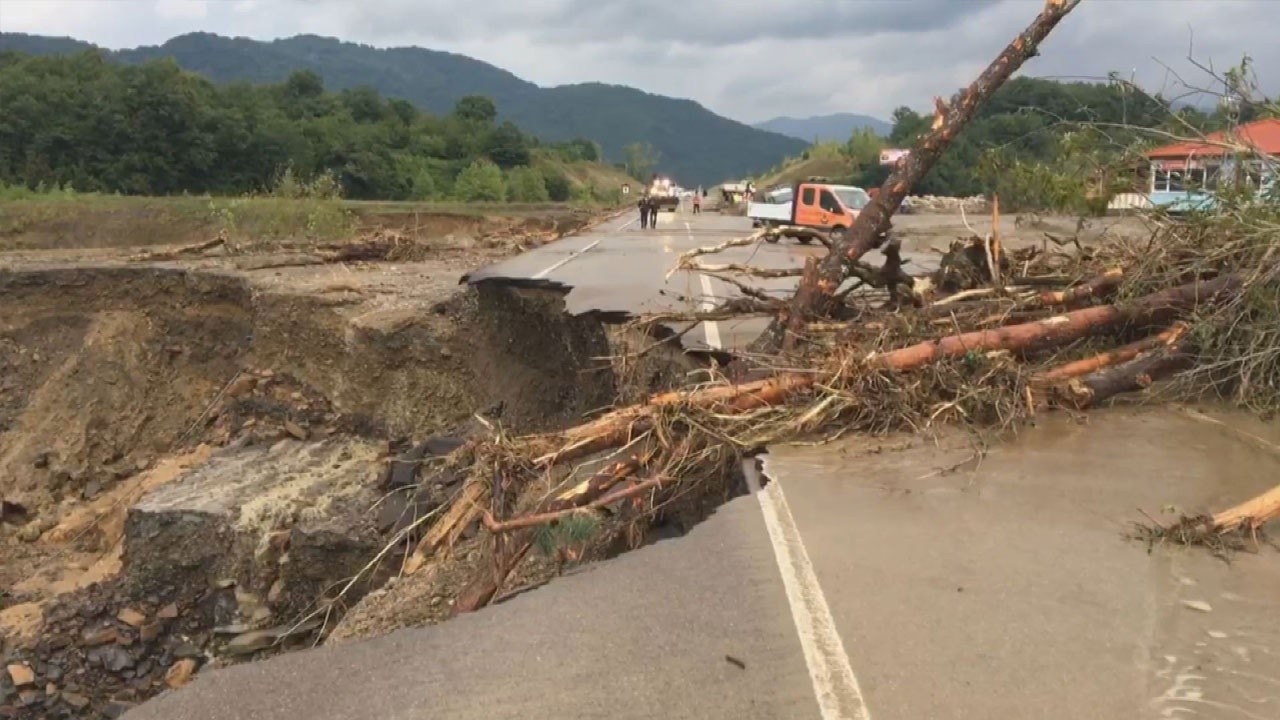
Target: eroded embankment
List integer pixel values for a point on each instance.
(193, 466)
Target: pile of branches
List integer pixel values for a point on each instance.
(990, 339)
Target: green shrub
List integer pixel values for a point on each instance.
(481, 181)
(526, 184)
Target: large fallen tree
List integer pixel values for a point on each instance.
(818, 287)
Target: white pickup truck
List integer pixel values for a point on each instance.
(776, 210)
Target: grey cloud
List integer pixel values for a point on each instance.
(745, 59)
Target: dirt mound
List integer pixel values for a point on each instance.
(105, 372)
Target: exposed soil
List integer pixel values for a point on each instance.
(192, 443)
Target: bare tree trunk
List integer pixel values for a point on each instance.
(814, 297)
(1158, 308)
(1139, 374)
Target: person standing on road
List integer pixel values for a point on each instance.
(697, 201)
(643, 204)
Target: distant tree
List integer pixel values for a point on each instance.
(476, 108)
(558, 186)
(907, 126)
(364, 104)
(507, 146)
(640, 160)
(481, 181)
(303, 84)
(863, 148)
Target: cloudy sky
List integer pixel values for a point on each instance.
(749, 60)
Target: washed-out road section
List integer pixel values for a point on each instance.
(621, 270)
(895, 579)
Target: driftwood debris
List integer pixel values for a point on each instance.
(816, 291)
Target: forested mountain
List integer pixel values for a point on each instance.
(825, 128)
(82, 122)
(690, 142)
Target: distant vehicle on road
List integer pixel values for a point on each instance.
(665, 194)
(820, 206)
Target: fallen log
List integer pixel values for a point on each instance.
(1092, 390)
(816, 292)
(1107, 359)
(1159, 308)
(1249, 515)
(1216, 530)
(1097, 286)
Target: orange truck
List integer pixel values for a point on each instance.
(821, 206)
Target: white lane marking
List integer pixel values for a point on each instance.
(574, 255)
(546, 271)
(837, 690)
(711, 328)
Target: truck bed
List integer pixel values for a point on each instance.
(772, 212)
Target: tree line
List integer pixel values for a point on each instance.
(81, 122)
(1041, 143)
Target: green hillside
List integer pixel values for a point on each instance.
(693, 144)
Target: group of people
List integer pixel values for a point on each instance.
(648, 205)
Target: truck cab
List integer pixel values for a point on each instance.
(830, 208)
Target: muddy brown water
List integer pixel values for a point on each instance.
(1015, 569)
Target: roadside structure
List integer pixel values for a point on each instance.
(1183, 175)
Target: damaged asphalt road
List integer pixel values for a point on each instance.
(893, 578)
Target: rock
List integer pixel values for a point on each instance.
(179, 674)
(242, 386)
(256, 640)
(276, 592)
(99, 636)
(91, 490)
(111, 658)
(31, 532)
(168, 612)
(187, 650)
(75, 701)
(295, 430)
(21, 674)
(149, 632)
(116, 709)
(251, 642)
(1198, 605)
(210, 523)
(131, 617)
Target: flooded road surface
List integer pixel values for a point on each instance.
(1004, 587)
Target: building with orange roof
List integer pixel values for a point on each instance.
(1188, 172)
